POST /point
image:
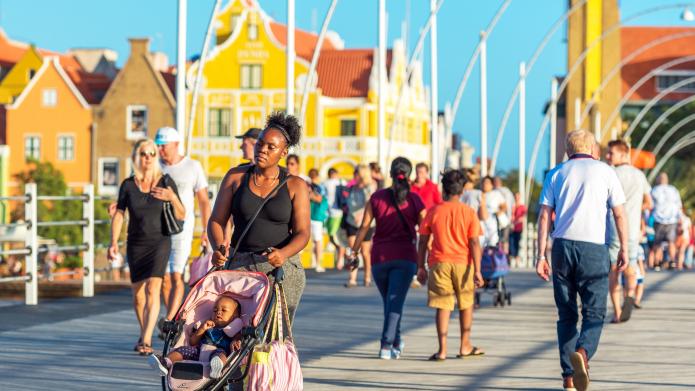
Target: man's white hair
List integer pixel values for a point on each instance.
(579, 141)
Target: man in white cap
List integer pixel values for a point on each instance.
(191, 181)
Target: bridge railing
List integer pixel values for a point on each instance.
(31, 249)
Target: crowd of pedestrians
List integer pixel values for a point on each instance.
(605, 226)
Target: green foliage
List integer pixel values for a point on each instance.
(50, 181)
(680, 168)
(511, 180)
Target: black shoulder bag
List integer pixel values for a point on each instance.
(170, 225)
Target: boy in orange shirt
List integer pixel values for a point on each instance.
(454, 263)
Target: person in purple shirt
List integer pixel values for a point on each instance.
(397, 212)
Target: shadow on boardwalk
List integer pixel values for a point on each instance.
(84, 344)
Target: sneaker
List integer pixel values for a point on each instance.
(398, 349)
(216, 365)
(386, 354)
(159, 363)
(320, 269)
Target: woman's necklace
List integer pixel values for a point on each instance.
(271, 182)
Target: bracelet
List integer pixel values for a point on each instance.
(541, 258)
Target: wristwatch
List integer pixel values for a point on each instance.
(541, 258)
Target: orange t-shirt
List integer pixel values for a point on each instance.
(451, 224)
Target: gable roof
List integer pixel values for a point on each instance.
(345, 73)
(11, 51)
(47, 62)
(304, 41)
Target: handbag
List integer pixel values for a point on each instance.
(274, 365)
(170, 224)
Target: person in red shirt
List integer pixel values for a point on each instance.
(424, 187)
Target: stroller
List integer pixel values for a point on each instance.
(494, 267)
(257, 298)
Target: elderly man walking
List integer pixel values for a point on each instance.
(580, 191)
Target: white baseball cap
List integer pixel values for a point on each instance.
(166, 135)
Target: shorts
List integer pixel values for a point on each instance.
(449, 282)
(664, 233)
(352, 231)
(193, 352)
(316, 231)
(180, 251)
(632, 253)
(333, 225)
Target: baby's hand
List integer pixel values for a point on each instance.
(208, 325)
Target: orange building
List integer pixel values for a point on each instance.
(49, 121)
(45, 111)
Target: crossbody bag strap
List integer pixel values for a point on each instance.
(400, 214)
(258, 211)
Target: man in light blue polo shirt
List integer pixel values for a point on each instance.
(580, 191)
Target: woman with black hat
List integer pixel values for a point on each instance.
(397, 212)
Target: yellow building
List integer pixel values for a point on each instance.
(244, 81)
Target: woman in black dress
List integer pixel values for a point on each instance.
(282, 228)
(147, 250)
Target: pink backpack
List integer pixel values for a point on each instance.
(274, 365)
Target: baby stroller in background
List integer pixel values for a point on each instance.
(494, 267)
(257, 299)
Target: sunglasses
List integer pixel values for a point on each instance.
(150, 154)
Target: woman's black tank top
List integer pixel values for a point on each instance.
(272, 226)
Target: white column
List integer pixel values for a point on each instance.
(181, 73)
(553, 123)
(597, 126)
(577, 113)
(88, 239)
(522, 130)
(522, 149)
(290, 58)
(381, 90)
(31, 241)
(483, 103)
(434, 108)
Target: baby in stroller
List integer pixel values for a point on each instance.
(221, 331)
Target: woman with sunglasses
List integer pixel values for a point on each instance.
(147, 250)
(282, 228)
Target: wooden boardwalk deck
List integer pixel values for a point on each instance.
(84, 344)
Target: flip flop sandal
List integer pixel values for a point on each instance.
(145, 350)
(628, 305)
(350, 285)
(435, 357)
(138, 345)
(474, 352)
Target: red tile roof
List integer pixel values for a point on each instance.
(304, 42)
(170, 80)
(92, 86)
(345, 73)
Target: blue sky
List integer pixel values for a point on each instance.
(60, 25)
